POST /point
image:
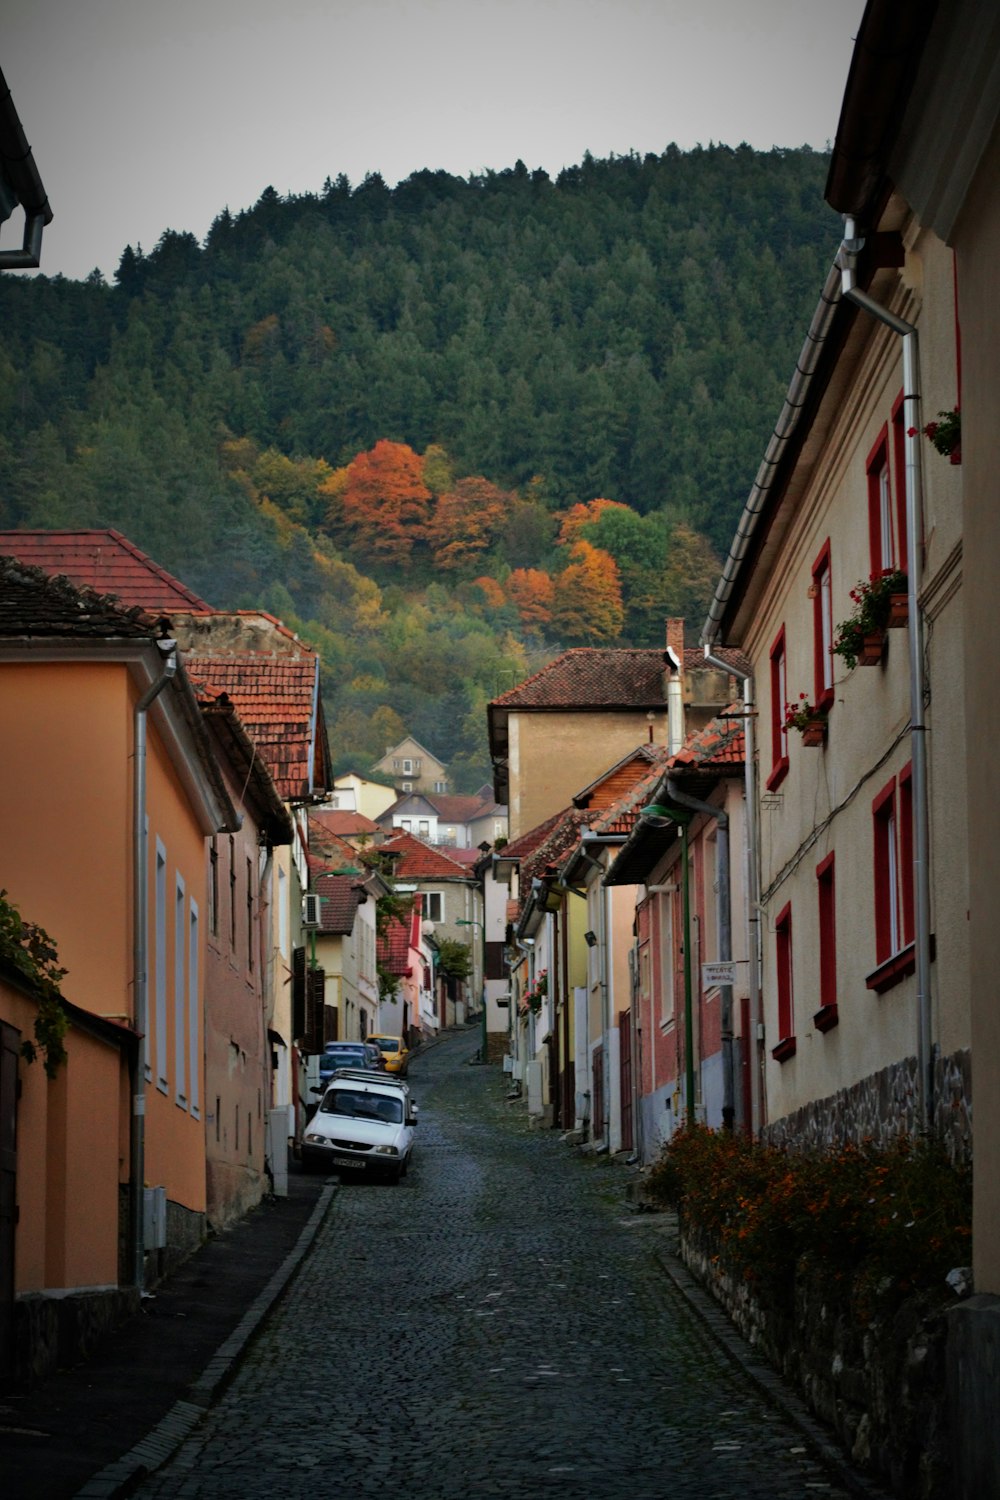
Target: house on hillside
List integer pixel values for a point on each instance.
(412, 768)
(453, 822)
(561, 728)
(125, 904)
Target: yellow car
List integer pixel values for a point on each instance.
(394, 1050)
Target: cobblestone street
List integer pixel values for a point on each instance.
(495, 1325)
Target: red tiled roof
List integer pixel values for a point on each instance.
(344, 823)
(553, 849)
(339, 898)
(522, 846)
(464, 857)
(275, 697)
(592, 677)
(394, 947)
(458, 809)
(327, 851)
(419, 861)
(103, 560)
(720, 743)
(599, 677)
(36, 603)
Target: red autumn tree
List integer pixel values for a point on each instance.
(585, 513)
(384, 505)
(588, 597)
(491, 592)
(466, 522)
(532, 592)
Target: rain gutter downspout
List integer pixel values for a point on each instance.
(725, 941)
(140, 952)
(849, 251)
(752, 877)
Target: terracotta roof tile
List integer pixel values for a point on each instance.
(420, 861)
(35, 603)
(598, 677)
(103, 560)
(394, 947)
(525, 843)
(339, 899)
(275, 697)
(720, 743)
(340, 821)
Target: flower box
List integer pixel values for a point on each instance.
(872, 647)
(899, 611)
(814, 733)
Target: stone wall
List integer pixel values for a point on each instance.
(883, 1106)
(55, 1333)
(873, 1369)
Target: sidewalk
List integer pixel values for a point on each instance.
(179, 1349)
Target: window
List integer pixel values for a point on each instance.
(880, 523)
(213, 887)
(406, 824)
(283, 914)
(407, 786)
(783, 976)
(779, 697)
(424, 828)
(180, 995)
(440, 786)
(160, 966)
(826, 1017)
(194, 1052)
(407, 768)
(666, 930)
(899, 464)
(433, 906)
(822, 597)
(250, 931)
(232, 893)
(892, 832)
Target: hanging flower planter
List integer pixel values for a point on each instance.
(807, 721)
(860, 639)
(872, 647)
(899, 611)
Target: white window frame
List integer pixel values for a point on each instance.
(437, 896)
(664, 917)
(180, 993)
(160, 966)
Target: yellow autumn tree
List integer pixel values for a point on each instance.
(587, 607)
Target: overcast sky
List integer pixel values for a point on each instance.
(146, 115)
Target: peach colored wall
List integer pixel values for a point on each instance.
(68, 1161)
(65, 815)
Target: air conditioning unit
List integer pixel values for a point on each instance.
(310, 909)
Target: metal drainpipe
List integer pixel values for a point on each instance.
(752, 877)
(918, 729)
(140, 950)
(725, 942)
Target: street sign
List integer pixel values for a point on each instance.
(713, 976)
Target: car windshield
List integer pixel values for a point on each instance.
(331, 1060)
(360, 1105)
(388, 1044)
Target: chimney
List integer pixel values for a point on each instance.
(674, 685)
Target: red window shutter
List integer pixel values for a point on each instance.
(783, 940)
(906, 853)
(826, 894)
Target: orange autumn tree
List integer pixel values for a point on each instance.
(584, 513)
(384, 506)
(588, 597)
(466, 522)
(491, 591)
(532, 592)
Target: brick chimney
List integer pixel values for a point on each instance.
(673, 685)
(675, 639)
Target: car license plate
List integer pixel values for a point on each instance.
(346, 1161)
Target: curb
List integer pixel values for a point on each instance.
(119, 1479)
(716, 1323)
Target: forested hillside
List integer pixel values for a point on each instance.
(442, 429)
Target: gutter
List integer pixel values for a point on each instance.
(784, 430)
(140, 958)
(751, 860)
(848, 257)
(21, 185)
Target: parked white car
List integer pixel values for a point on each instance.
(365, 1123)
